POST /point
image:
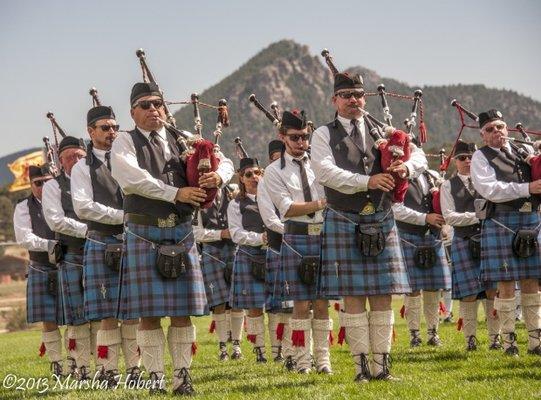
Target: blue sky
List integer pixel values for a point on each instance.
(52, 52)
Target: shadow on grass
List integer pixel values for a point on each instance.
(528, 375)
(431, 356)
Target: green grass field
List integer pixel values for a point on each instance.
(444, 373)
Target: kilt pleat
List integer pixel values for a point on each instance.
(436, 278)
(498, 262)
(293, 247)
(273, 281)
(143, 291)
(466, 272)
(41, 306)
(100, 281)
(213, 261)
(71, 282)
(346, 272)
(246, 291)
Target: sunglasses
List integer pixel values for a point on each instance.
(295, 137)
(107, 128)
(250, 174)
(497, 127)
(463, 158)
(39, 183)
(145, 104)
(348, 95)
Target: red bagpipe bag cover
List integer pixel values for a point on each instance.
(202, 159)
(396, 147)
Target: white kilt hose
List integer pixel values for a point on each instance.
(71, 284)
(143, 291)
(435, 278)
(246, 291)
(347, 272)
(498, 262)
(42, 303)
(215, 256)
(100, 281)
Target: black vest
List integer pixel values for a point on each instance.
(172, 172)
(418, 201)
(463, 203)
(251, 219)
(39, 228)
(510, 171)
(349, 157)
(67, 206)
(274, 239)
(105, 190)
(215, 217)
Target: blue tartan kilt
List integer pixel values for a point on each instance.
(346, 272)
(306, 245)
(246, 291)
(143, 291)
(100, 281)
(213, 261)
(466, 272)
(498, 262)
(71, 283)
(273, 281)
(436, 278)
(41, 306)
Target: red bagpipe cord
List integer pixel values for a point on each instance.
(443, 310)
(103, 352)
(42, 349)
(459, 324)
(212, 326)
(342, 335)
(403, 311)
(337, 306)
(72, 344)
(297, 338)
(280, 331)
(194, 348)
(251, 338)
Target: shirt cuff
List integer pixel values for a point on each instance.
(362, 182)
(524, 189)
(285, 205)
(170, 193)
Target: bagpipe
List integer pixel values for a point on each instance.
(394, 144)
(51, 151)
(525, 148)
(200, 155)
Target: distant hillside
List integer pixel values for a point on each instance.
(289, 74)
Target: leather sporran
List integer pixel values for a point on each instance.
(113, 256)
(425, 257)
(525, 242)
(172, 260)
(52, 282)
(308, 269)
(474, 246)
(258, 266)
(370, 240)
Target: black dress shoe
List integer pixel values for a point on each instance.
(185, 388)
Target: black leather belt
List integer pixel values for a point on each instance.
(527, 207)
(77, 250)
(302, 228)
(169, 222)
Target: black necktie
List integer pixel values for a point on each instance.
(470, 187)
(305, 186)
(356, 135)
(108, 160)
(155, 141)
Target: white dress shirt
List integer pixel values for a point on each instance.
(285, 187)
(334, 177)
(409, 215)
(266, 207)
(83, 198)
(204, 235)
(453, 217)
(23, 229)
(238, 234)
(54, 213)
(135, 180)
(488, 186)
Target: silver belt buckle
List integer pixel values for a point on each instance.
(368, 209)
(169, 222)
(314, 229)
(526, 207)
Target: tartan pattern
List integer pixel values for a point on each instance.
(435, 278)
(213, 271)
(100, 281)
(272, 281)
(246, 291)
(40, 305)
(144, 292)
(71, 282)
(292, 286)
(498, 263)
(466, 271)
(346, 272)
